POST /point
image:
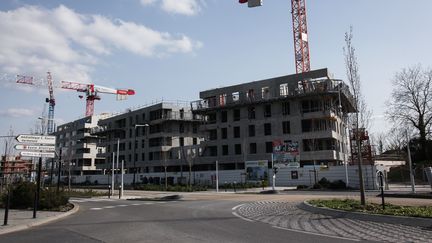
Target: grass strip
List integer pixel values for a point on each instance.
(374, 208)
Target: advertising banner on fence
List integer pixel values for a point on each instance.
(286, 154)
(256, 170)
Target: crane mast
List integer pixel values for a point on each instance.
(300, 32)
(51, 104)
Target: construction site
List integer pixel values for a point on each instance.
(230, 129)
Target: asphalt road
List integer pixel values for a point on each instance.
(175, 221)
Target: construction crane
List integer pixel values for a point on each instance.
(92, 93)
(50, 100)
(300, 32)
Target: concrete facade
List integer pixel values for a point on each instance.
(150, 139)
(242, 121)
(79, 148)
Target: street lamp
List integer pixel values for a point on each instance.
(134, 158)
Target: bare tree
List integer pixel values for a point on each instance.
(411, 103)
(361, 116)
(189, 154)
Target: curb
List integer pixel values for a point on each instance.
(408, 221)
(40, 222)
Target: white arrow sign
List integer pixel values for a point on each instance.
(37, 154)
(45, 148)
(23, 138)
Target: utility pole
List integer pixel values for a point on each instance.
(217, 176)
(112, 174)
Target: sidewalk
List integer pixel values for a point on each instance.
(23, 219)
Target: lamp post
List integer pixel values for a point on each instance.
(134, 158)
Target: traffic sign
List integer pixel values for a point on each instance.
(39, 139)
(44, 148)
(37, 154)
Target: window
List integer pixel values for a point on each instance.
(236, 115)
(181, 141)
(311, 106)
(130, 145)
(237, 149)
(235, 96)
(267, 129)
(194, 128)
(267, 111)
(150, 157)
(194, 141)
(224, 116)
(252, 148)
(286, 108)
(181, 128)
(269, 147)
(213, 134)
(142, 143)
(283, 90)
(136, 144)
(251, 112)
(236, 132)
(224, 133)
(222, 99)
(212, 150)
(251, 130)
(224, 149)
(286, 127)
(143, 157)
(265, 93)
(251, 94)
(212, 118)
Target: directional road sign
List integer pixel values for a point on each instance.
(43, 148)
(24, 138)
(37, 154)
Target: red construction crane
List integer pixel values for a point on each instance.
(92, 91)
(50, 100)
(301, 44)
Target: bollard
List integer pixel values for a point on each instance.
(6, 214)
(235, 186)
(109, 191)
(120, 191)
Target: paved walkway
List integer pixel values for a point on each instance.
(23, 219)
(288, 216)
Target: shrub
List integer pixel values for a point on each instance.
(324, 182)
(299, 187)
(23, 193)
(339, 184)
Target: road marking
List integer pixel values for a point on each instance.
(122, 205)
(136, 204)
(148, 203)
(95, 208)
(234, 208)
(109, 207)
(312, 233)
(235, 214)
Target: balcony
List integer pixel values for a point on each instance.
(306, 88)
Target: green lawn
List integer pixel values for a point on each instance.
(373, 208)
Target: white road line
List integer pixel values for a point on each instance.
(95, 208)
(234, 208)
(77, 201)
(136, 204)
(312, 233)
(235, 214)
(122, 205)
(148, 203)
(109, 207)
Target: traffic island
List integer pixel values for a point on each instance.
(348, 208)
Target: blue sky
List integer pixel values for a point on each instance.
(173, 49)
